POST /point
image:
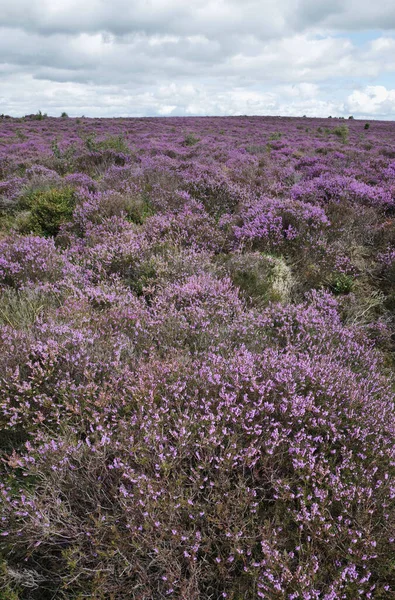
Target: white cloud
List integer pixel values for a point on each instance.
(374, 100)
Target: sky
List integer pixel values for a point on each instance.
(111, 58)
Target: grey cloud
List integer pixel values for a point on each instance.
(267, 19)
(206, 56)
(120, 17)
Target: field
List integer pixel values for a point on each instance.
(196, 358)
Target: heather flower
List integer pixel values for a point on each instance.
(24, 260)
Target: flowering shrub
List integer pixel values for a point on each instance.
(387, 260)
(272, 223)
(9, 190)
(340, 188)
(195, 353)
(196, 312)
(228, 478)
(191, 226)
(29, 259)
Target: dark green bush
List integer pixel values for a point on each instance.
(341, 283)
(49, 209)
(190, 140)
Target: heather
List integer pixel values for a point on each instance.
(196, 359)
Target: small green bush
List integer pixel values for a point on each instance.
(341, 283)
(49, 209)
(114, 142)
(190, 140)
(367, 125)
(342, 132)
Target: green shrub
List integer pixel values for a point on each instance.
(49, 209)
(113, 142)
(341, 283)
(190, 140)
(342, 132)
(367, 125)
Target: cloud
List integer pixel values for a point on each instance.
(214, 56)
(264, 18)
(374, 100)
(346, 15)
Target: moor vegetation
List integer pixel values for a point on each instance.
(196, 359)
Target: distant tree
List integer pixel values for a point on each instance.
(350, 117)
(39, 116)
(64, 115)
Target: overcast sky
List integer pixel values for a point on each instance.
(198, 57)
